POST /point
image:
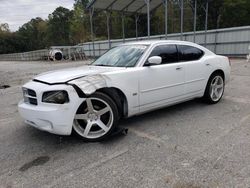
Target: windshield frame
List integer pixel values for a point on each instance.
(139, 59)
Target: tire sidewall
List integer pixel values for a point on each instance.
(207, 96)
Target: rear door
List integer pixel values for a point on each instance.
(195, 69)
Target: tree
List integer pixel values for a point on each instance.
(59, 27)
(82, 3)
(79, 23)
(235, 13)
(33, 34)
(4, 28)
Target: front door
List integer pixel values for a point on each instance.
(164, 83)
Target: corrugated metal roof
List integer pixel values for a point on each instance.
(132, 6)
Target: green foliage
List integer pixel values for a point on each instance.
(59, 27)
(70, 27)
(33, 34)
(79, 23)
(235, 13)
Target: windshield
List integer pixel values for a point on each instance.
(121, 56)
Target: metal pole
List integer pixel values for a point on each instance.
(108, 30)
(216, 34)
(136, 25)
(195, 15)
(148, 15)
(91, 13)
(165, 2)
(123, 28)
(181, 19)
(206, 23)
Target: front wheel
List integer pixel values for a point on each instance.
(215, 89)
(96, 117)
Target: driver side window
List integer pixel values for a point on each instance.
(168, 53)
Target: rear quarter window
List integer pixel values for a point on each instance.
(189, 53)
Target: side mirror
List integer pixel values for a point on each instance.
(154, 60)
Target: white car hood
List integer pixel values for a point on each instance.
(64, 75)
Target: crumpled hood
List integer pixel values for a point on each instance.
(65, 75)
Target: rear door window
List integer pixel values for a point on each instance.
(189, 53)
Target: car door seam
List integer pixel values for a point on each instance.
(168, 86)
(171, 98)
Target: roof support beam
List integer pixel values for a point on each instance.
(195, 15)
(206, 23)
(180, 3)
(111, 4)
(108, 29)
(205, 8)
(148, 16)
(123, 27)
(130, 3)
(91, 13)
(141, 6)
(181, 19)
(136, 25)
(165, 3)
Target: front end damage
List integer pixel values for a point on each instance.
(58, 118)
(89, 84)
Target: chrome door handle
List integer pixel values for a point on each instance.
(208, 64)
(178, 68)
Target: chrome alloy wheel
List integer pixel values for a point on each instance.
(94, 119)
(216, 88)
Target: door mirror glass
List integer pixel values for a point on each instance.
(154, 60)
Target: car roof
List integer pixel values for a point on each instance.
(150, 42)
(157, 42)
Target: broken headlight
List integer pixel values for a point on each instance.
(57, 97)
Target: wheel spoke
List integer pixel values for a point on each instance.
(102, 125)
(216, 93)
(219, 86)
(103, 111)
(216, 80)
(212, 92)
(89, 105)
(81, 116)
(87, 129)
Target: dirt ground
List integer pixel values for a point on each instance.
(187, 145)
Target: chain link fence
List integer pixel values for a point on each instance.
(26, 56)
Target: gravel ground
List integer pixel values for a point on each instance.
(187, 145)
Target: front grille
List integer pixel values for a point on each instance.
(29, 96)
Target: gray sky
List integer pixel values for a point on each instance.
(18, 12)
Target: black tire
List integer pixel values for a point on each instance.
(115, 112)
(207, 96)
(58, 56)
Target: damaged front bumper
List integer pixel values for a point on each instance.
(53, 118)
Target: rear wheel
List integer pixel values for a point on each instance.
(215, 89)
(96, 117)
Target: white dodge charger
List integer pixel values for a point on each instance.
(128, 80)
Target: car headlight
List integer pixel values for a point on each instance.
(58, 97)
